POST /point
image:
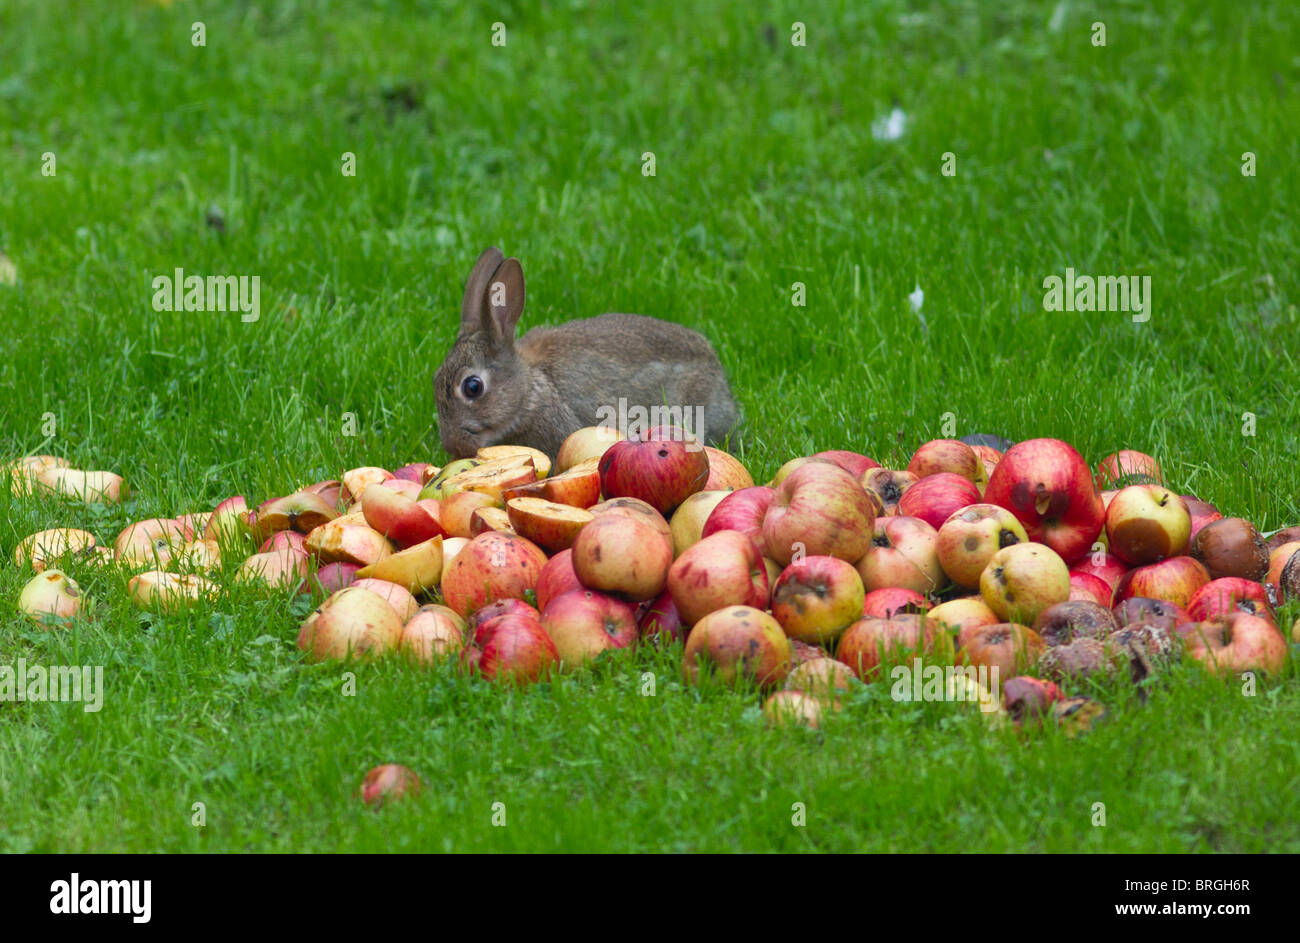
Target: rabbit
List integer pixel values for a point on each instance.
(493, 389)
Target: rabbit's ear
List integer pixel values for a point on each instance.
(474, 305)
(505, 300)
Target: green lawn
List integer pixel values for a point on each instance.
(1122, 159)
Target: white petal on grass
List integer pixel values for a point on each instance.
(8, 271)
(890, 127)
(1058, 17)
(917, 298)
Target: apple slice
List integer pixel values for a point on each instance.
(486, 519)
(457, 511)
(549, 524)
(169, 591)
(356, 480)
(400, 517)
(338, 542)
(578, 487)
(301, 511)
(418, 568)
(540, 460)
(196, 555)
(492, 477)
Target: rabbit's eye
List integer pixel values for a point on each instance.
(471, 387)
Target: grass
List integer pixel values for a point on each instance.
(1122, 159)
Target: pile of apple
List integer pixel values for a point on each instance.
(1028, 561)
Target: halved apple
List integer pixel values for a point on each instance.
(540, 459)
(350, 542)
(356, 480)
(418, 568)
(457, 510)
(486, 519)
(492, 477)
(93, 487)
(578, 487)
(196, 555)
(149, 541)
(301, 511)
(169, 591)
(549, 524)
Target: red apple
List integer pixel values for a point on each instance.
(741, 510)
(1105, 566)
(1227, 595)
(585, 624)
(892, 601)
(432, 635)
(401, 518)
(518, 650)
(1174, 580)
(624, 556)
(659, 621)
(947, 455)
(855, 463)
(1009, 647)
(557, 576)
(869, 644)
(903, 554)
(1127, 467)
(1141, 610)
(936, 498)
(1049, 487)
(1202, 513)
(353, 623)
(1236, 643)
(687, 524)
(492, 566)
(329, 579)
(1147, 523)
(1278, 559)
(816, 598)
(389, 783)
(819, 509)
(725, 569)
(738, 641)
(662, 472)
(586, 443)
(1085, 586)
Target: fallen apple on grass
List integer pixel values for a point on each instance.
(1022, 580)
(417, 568)
(903, 554)
(433, 635)
(1174, 580)
(1236, 643)
(491, 478)
(169, 592)
(92, 487)
(389, 783)
(353, 623)
(1231, 547)
(586, 443)
(785, 708)
(663, 472)
(491, 566)
(741, 511)
(584, 625)
(578, 487)
(726, 473)
(51, 597)
(301, 511)
(1227, 595)
(1049, 487)
(687, 522)
(969, 538)
(855, 463)
(723, 570)
(402, 519)
(343, 541)
(1066, 621)
(937, 497)
(892, 601)
(1128, 467)
(659, 621)
(456, 512)
(281, 569)
(149, 541)
(624, 555)
(553, 527)
(947, 455)
(40, 549)
(540, 461)
(824, 679)
(1146, 524)
(870, 644)
(328, 579)
(1009, 647)
(1086, 587)
(517, 649)
(821, 510)
(888, 486)
(1103, 565)
(557, 576)
(816, 598)
(1278, 558)
(736, 642)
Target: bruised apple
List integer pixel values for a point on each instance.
(623, 555)
(819, 509)
(903, 554)
(725, 569)
(816, 598)
(736, 642)
(967, 540)
(869, 644)
(492, 566)
(1022, 580)
(1049, 487)
(1236, 643)
(584, 624)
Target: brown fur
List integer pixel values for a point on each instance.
(554, 380)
